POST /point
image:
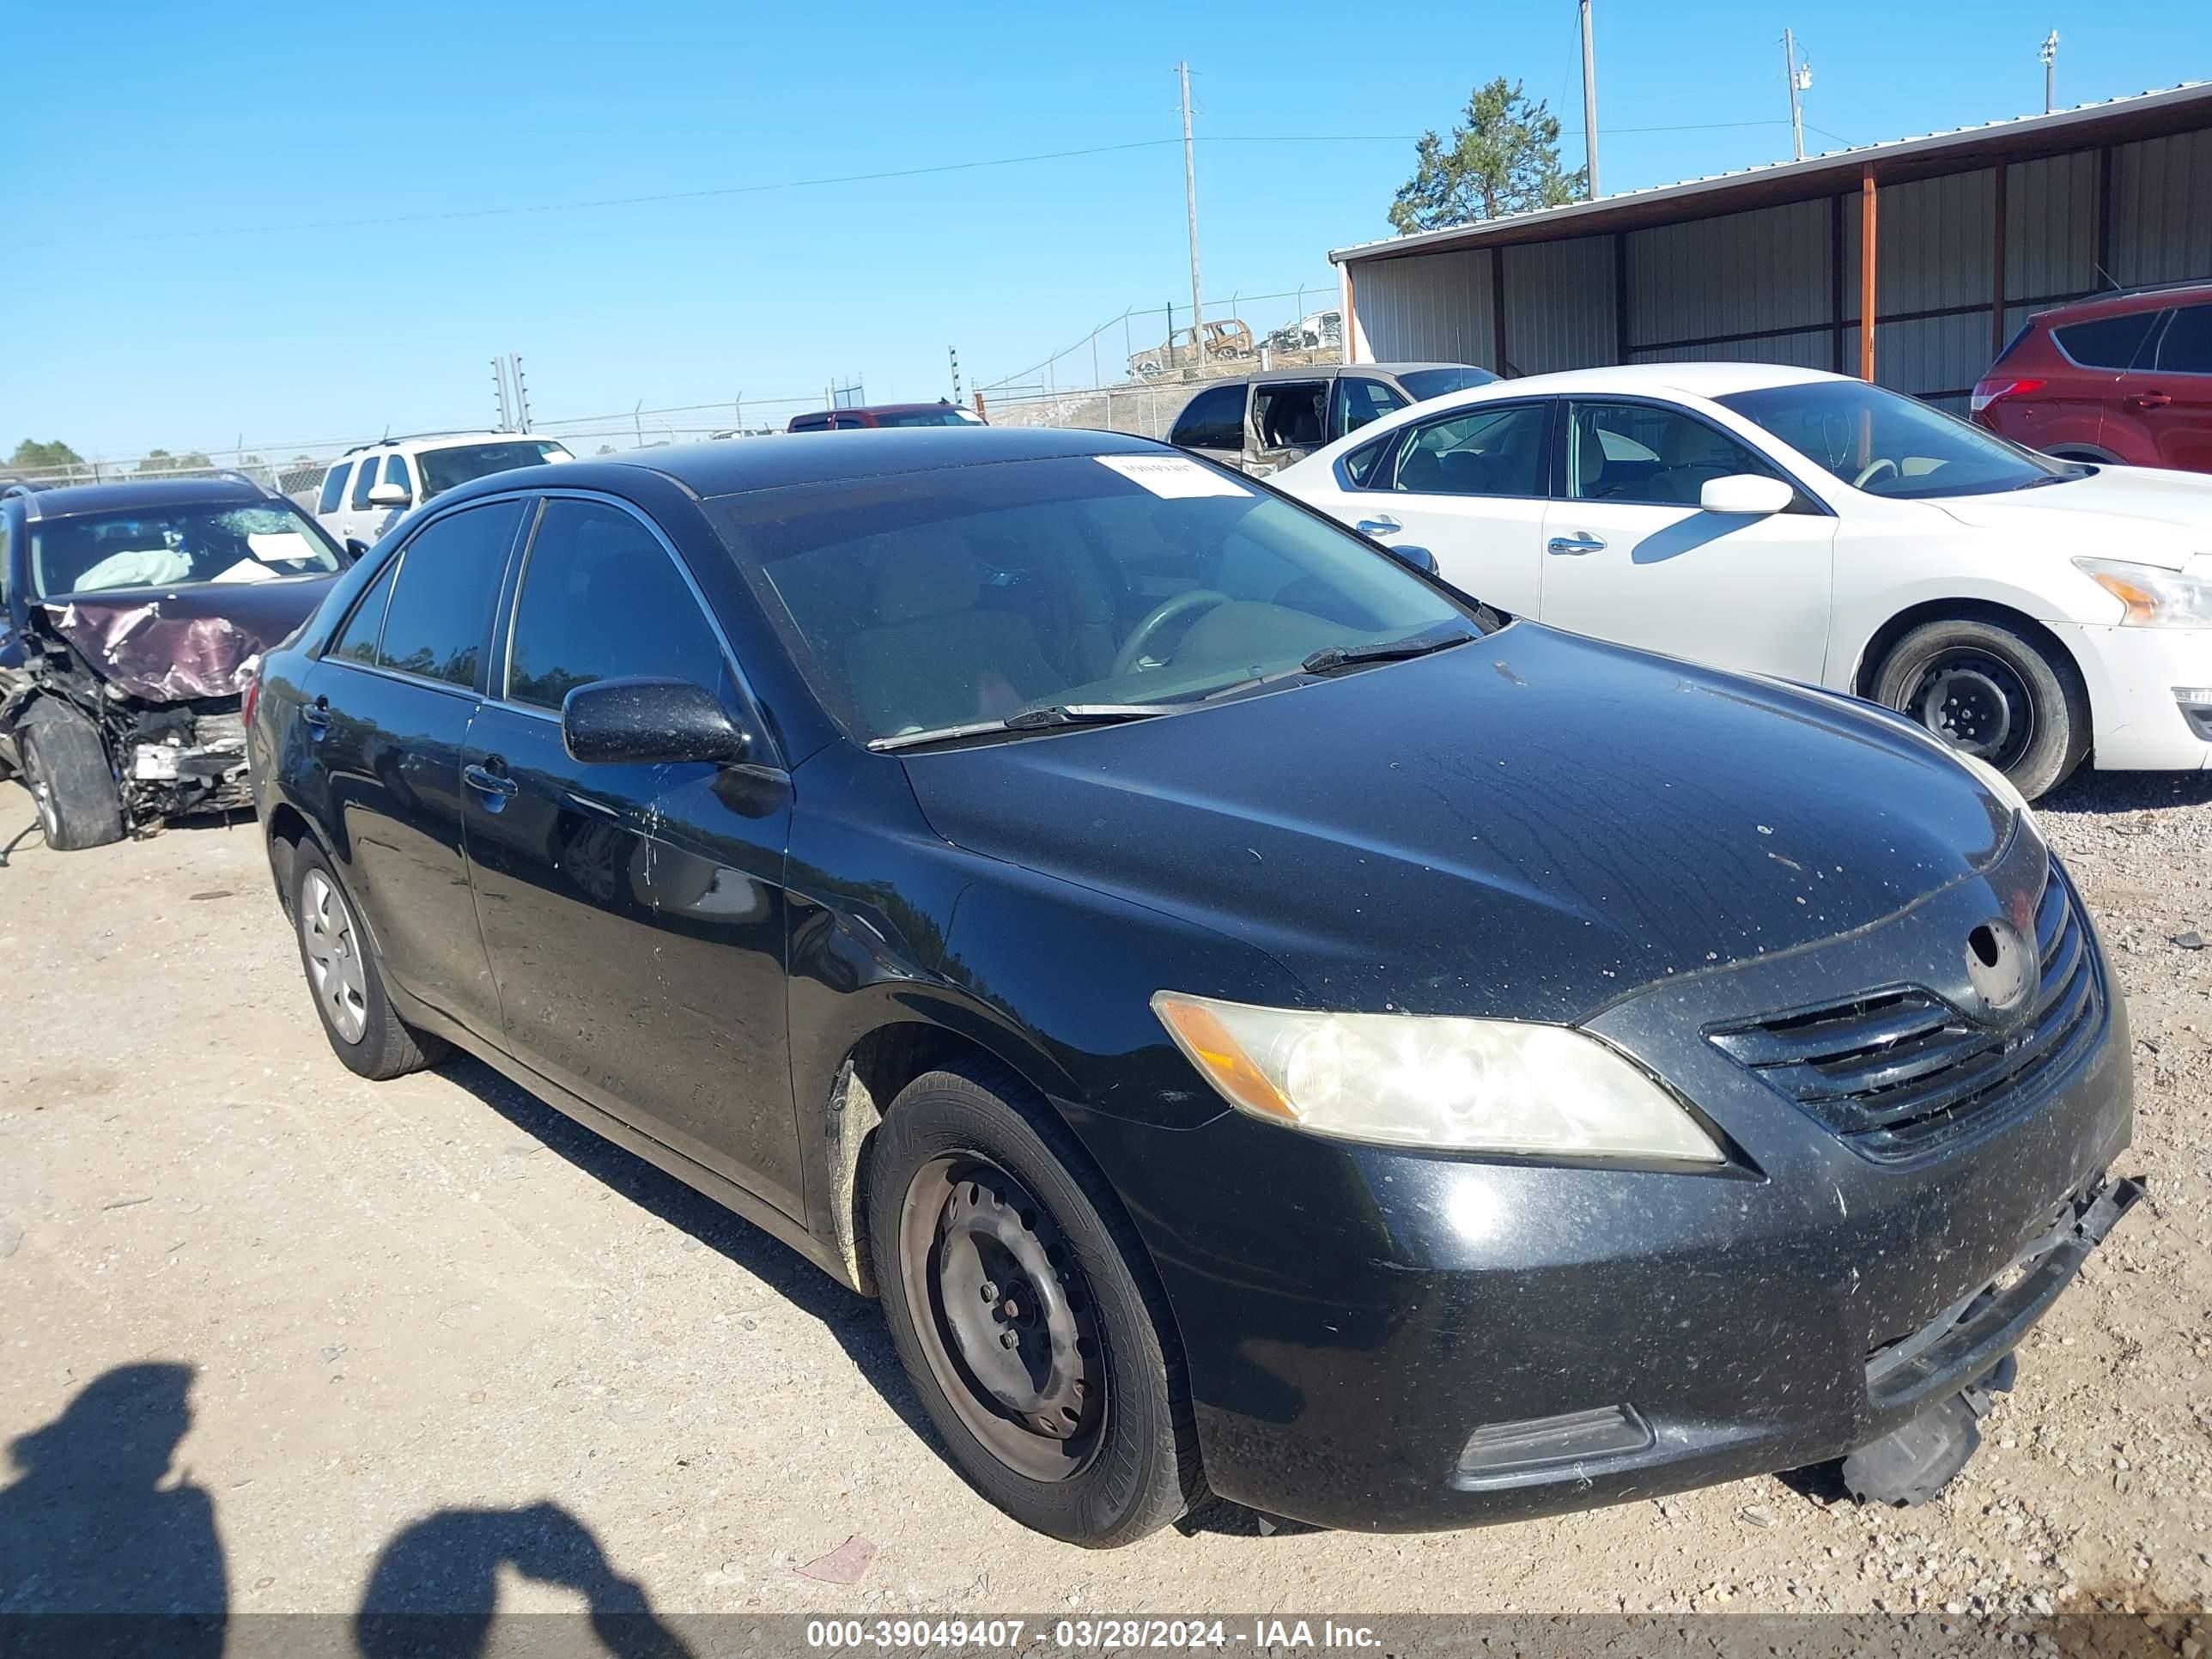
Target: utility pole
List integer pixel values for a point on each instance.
(521, 392)
(2049, 53)
(1589, 101)
(1801, 81)
(499, 385)
(1190, 203)
(953, 353)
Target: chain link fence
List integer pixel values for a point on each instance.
(1130, 374)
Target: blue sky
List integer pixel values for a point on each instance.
(163, 161)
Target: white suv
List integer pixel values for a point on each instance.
(367, 489)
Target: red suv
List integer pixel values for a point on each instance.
(2124, 377)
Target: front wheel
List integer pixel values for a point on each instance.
(65, 767)
(1020, 1302)
(364, 1029)
(1992, 692)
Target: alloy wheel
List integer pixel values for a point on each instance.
(1977, 702)
(1005, 1316)
(42, 792)
(333, 949)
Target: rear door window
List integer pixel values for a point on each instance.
(601, 598)
(2105, 341)
(334, 483)
(441, 599)
(2186, 346)
(1212, 420)
(364, 482)
(1495, 450)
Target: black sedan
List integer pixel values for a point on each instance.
(1260, 1020)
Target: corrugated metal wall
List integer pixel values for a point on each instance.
(1762, 286)
(2162, 208)
(1559, 310)
(1433, 309)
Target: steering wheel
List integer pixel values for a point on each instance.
(1196, 598)
(1873, 470)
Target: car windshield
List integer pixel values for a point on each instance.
(442, 469)
(1104, 585)
(1423, 383)
(949, 414)
(177, 547)
(1888, 444)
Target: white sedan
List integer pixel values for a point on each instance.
(1782, 521)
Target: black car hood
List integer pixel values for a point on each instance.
(1529, 826)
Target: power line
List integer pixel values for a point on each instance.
(593, 204)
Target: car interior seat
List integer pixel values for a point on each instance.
(932, 658)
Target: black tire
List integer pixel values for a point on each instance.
(971, 1173)
(343, 975)
(65, 767)
(1991, 691)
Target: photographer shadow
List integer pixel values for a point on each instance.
(435, 1592)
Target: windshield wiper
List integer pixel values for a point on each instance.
(1332, 658)
(1035, 720)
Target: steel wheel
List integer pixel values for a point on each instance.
(333, 951)
(1975, 702)
(42, 793)
(1009, 1330)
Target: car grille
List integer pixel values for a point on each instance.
(1899, 1072)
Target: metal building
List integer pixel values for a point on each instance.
(1948, 241)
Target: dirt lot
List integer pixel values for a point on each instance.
(430, 1327)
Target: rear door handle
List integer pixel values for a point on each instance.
(497, 785)
(1385, 525)
(1585, 542)
(2150, 400)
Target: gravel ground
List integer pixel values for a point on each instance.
(428, 1327)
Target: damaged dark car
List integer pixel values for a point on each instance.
(131, 617)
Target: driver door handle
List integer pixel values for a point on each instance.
(1384, 526)
(2150, 400)
(1582, 543)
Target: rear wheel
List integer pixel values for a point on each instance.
(348, 985)
(1992, 692)
(1020, 1302)
(66, 769)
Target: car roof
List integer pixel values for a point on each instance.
(2127, 301)
(1689, 380)
(68, 501)
(735, 467)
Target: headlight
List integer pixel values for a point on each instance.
(1484, 1085)
(1996, 782)
(2155, 598)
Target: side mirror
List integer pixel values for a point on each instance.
(1746, 494)
(1419, 557)
(389, 495)
(647, 721)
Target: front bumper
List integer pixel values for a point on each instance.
(2131, 675)
(1353, 1316)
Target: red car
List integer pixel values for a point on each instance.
(2124, 377)
(847, 419)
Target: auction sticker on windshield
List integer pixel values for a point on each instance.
(1171, 475)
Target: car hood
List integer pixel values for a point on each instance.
(168, 646)
(2146, 515)
(1528, 827)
